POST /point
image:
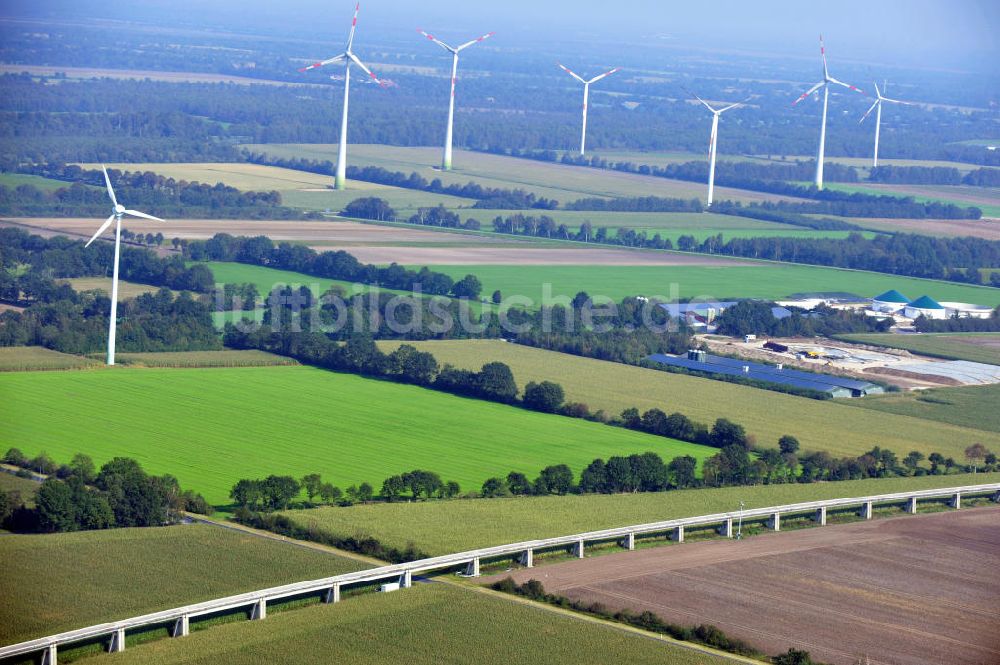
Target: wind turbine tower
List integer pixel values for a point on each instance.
(877, 106)
(825, 84)
(454, 50)
(348, 59)
(117, 212)
(713, 142)
(586, 99)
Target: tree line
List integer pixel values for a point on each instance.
(752, 317)
(79, 497)
(153, 193)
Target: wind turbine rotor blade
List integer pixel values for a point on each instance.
(604, 75)
(898, 101)
(107, 181)
(706, 104)
(104, 227)
(822, 54)
(475, 41)
(360, 64)
(869, 111)
(438, 41)
(136, 213)
(809, 92)
(316, 65)
(731, 106)
(846, 85)
(570, 72)
(354, 27)
(878, 93)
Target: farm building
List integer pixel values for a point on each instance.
(925, 306)
(967, 310)
(700, 315)
(891, 302)
(835, 386)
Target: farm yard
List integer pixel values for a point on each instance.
(819, 425)
(47, 589)
(431, 525)
(915, 590)
(428, 624)
(212, 427)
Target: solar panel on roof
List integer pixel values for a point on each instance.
(760, 372)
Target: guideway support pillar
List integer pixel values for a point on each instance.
(472, 569)
(956, 501)
(50, 655)
(726, 528)
(117, 641)
(866, 510)
(578, 549)
(821, 516)
(774, 522)
(528, 558)
(182, 627)
(629, 542)
(911, 505)
(406, 580)
(678, 534)
(259, 610)
(332, 594)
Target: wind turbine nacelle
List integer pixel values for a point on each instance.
(119, 210)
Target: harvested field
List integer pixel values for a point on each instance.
(988, 229)
(27, 358)
(126, 290)
(909, 591)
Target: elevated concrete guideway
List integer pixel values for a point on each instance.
(255, 602)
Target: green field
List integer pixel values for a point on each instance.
(975, 347)
(558, 181)
(21, 358)
(226, 358)
(752, 280)
(983, 198)
(266, 279)
(211, 427)
(57, 582)
(819, 425)
(431, 526)
(429, 624)
(13, 180)
(966, 406)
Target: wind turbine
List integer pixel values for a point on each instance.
(349, 58)
(117, 212)
(825, 84)
(454, 50)
(586, 98)
(878, 116)
(713, 142)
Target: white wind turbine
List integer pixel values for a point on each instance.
(878, 116)
(454, 50)
(117, 212)
(586, 99)
(825, 84)
(713, 142)
(348, 57)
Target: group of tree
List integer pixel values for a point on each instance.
(754, 317)
(59, 318)
(61, 257)
(963, 323)
(958, 259)
(934, 175)
(339, 265)
(153, 193)
(78, 497)
(420, 485)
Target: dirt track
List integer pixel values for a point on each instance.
(921, 590)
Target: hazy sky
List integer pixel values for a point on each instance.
(929, 33)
